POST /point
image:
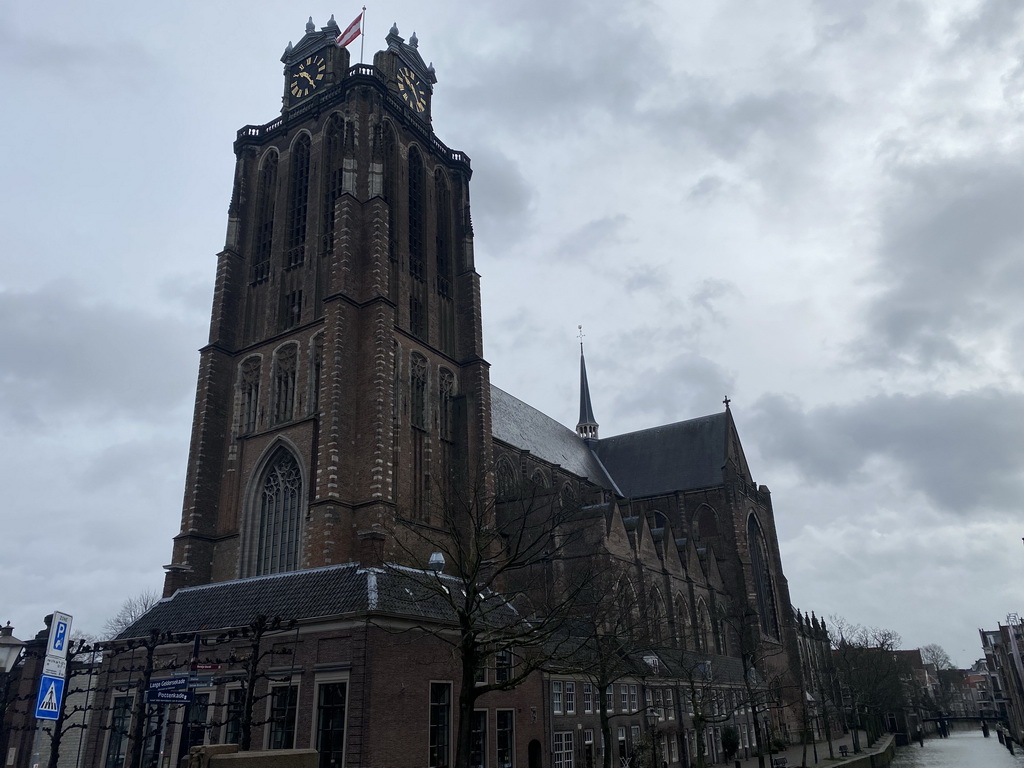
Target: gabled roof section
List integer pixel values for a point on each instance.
(676, 457)
(317, 593)
(524, 427)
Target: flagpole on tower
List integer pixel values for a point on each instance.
(362, 36)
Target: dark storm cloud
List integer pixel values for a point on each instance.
(963, 452)
(951, 259)
(63, 356)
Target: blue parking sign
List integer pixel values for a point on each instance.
(51, 694)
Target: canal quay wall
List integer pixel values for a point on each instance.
(878, 755)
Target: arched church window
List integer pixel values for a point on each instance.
(418, 391)
(657, 609)
(705, 631)
(285, 362)
(416, 191)
(539, 480)
(682, 621)
(568, 497)
(249, 385)
(505, 480)
(263, 235)
(277, 541)
(334, 169)
(764, 589)
(298, 202)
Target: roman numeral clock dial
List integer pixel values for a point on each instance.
(307, 76)
(412, 89)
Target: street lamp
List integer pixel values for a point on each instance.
(651, 716)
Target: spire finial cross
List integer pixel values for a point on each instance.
(579, 335)
(727, 401)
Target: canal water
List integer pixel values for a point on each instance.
(963, 749)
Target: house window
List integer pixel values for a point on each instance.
(634, 701)
(621, 734)
(669, 705)
(250, 390)
(556, 696)
(117, 744)
(194, 730)
(440, 725)
(634, 736)
(283, 702)
(330, 724)
(233, 716)
(609, 698)
(562, 749)
(502, 665)
(284, 383)
(570, 698)
(506, 737)
(478, 740)
(659, 703)
(673, 750)
(588, 698)
(277, 546)
(624, 698)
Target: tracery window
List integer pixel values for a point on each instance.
(249, 384)
(505, 480)
(760, 566)
(568, 496)
(284, 383)
(263, 235)
(298, 205)
(415, 214)
(277, 542)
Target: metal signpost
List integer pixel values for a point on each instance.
(55, 667)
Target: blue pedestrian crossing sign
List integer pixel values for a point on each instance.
(51, 694)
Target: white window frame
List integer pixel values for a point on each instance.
(570, 697)
(556, 697)
(588, 698)
(562, 749)
(328, 679)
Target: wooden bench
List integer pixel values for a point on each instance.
(844, 751)
(780, 762)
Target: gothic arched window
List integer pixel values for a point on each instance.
(682, 620)
(279, 500)
(443, 235)
(505, 480)
(285, 362)
(416, 191)
(764, 589)
(334, 169)
(249, 385)
(263, 234)
(298, 202)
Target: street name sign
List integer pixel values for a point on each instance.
(169, 684)
(51, 693)
(169, 696)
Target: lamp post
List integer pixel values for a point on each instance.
(10, 651)
(651, 716)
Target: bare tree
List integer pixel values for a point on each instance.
(508, 575)
(933, 653)
(131, 610)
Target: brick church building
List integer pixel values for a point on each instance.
(342, 397)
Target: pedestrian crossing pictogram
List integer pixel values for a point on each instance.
(49, 702)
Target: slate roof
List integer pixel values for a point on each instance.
(523, 426)
(327, 592)
(674, 457)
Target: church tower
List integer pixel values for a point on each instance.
(344, 381)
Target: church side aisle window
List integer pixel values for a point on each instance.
(277, 546)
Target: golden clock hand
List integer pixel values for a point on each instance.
(307, 76)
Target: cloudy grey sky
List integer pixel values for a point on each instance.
(813, 207)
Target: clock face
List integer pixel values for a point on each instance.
(307, 76)
(412, 90)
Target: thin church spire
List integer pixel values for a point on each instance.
(587, 426)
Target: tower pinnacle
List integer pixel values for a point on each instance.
(587, 426)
